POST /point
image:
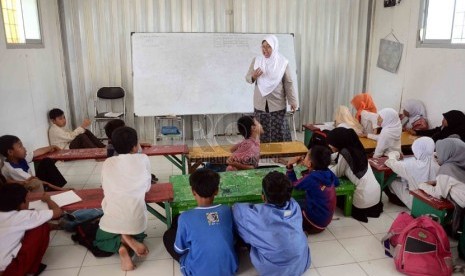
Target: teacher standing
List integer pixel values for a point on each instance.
(273, 86)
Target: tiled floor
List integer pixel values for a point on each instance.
(347, 247)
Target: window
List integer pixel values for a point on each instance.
(442, 23)
(21, 22)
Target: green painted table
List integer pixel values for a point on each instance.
(245, 186)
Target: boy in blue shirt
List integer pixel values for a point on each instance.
(204, 242)
(319, 185)
(274, 229)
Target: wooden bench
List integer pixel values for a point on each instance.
(168, 151)
(161, 194)
(219, 154)
(425, 204)
(383, 174)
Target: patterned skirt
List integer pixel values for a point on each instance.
(275, 126)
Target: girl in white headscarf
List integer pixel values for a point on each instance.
(343, 118)
(415, 112)
(389, 138)
(273, 87)
(414, 170)
(450, 179)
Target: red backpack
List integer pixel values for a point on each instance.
(419, 246)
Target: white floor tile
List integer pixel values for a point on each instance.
(80, 170)
(61, 272)
(91, 260)
(155, 228)
(329, 253)
(349, 231)
(394, 215)
(94, 178)
(62, 238)
(246, 267)
(92, 186)
(153, 268)
(76, 179)
(156, 248)
(103, 270)
(379, 225)
(364, 248)
(380, 236)
(323, 236)
(177, 269)
(389, 208)
(383, 267)
(311, 272)
(346, 270)
(75, 186)
(82, 163)
(68, 256)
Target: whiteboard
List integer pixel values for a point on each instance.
(197, 73)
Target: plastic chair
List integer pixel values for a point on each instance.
(108, 97)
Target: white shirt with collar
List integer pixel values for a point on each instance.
(62, 137)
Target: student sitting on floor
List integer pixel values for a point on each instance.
(452, 123)
(64, 138)
(450, 179)
(246, 154)
(415, 113)
(109, 128)
(366, 112)
(352, 162)
(24, 234)
(202, 239)
(278, 220)
(389, 138)
(412, 171)
(319, 185)
(343, 118)
(16, 166)
(125, 180)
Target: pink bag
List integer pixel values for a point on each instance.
(419, 246)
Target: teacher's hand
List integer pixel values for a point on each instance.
(293, 107)
(257, 73)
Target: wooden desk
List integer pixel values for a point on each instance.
(423, 204)
(245, 186)
(168, 151)
(160, 193)
(383, 174)
(219, 154)
(406, 141)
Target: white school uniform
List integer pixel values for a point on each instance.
(62, 137)
(367, 189)
(17, 174)
(13, 225)
(389, 138)
(125, 180)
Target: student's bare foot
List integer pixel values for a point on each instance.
(139, 248)
(126, 261)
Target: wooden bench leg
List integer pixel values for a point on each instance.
(165, 219)
(348, 205)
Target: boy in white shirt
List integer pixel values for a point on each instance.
(125, 180)
(24, 234)
(79, 138)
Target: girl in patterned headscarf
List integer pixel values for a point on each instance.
(415, 112)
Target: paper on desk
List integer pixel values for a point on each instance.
(38, 205)
(66, 198)
(113, 114)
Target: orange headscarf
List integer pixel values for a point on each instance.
(362, 102)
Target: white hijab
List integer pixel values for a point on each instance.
(423, 167)
(392, 127)
(416, 110)
(273, 68)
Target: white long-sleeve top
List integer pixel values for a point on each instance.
(125, 180)
(367, 190)
(62, 137)
(446, 185)
(384, 144)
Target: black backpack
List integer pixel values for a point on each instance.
(85, 235)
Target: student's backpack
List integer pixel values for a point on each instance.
(318, 138)
(419, 246)
(85, 235)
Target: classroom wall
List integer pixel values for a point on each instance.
(433, 75)
(32, 82)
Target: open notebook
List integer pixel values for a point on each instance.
(61, 200)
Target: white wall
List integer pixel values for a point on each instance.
(32, 82)
(435, 76)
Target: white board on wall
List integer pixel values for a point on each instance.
(197, 73)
